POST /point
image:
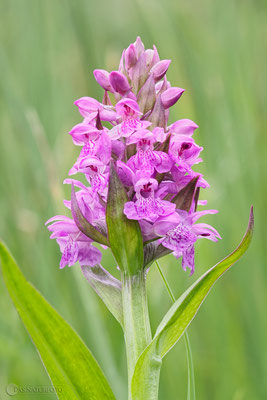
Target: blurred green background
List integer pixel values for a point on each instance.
(48, 51)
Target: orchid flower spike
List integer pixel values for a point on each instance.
(130, 150)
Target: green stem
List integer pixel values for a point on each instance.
(191, 393)
(137, 330)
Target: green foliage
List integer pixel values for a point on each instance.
(124, 235)
(47, 54)
(146, 375)
(67, 360)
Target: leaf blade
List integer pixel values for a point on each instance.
(66, 358)
(200, 289)
(177, 319)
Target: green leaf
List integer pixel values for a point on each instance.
(66, 358)
(146, 375)
(107, 287)
(124, 234)
(83, 225)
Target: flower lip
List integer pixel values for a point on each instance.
(146, 191)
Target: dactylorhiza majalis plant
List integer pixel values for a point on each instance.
(141, 199)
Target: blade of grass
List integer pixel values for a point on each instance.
(191, 391)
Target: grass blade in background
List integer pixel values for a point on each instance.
(191, 391)
(146, 375)
(66, 358)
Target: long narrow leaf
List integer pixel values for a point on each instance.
(146, 375)
(66, 358)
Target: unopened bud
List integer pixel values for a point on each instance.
(171, 96)
(160, 69)
(102, 78)
(183, 127)
(119, 82)
(130, 57)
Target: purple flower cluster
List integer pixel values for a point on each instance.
(153, 160)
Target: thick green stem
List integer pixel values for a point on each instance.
(137, 330)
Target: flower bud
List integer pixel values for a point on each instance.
(171, 96)
(160, 69)
(183, 127)
(102, 78)
(119, 82)
(130, 57)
